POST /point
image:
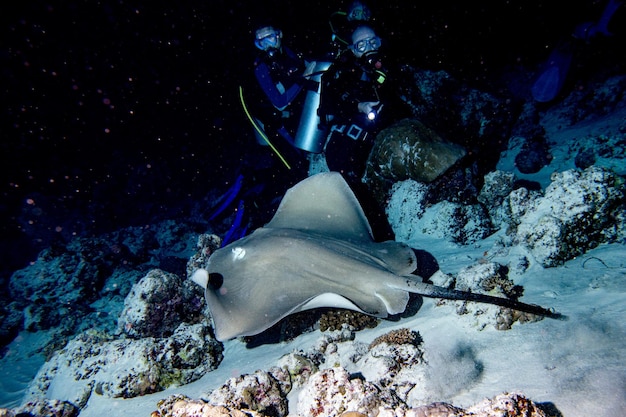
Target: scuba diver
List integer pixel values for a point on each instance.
(287, 107)
(359, 97)
(279, 70)
(281, 105)
(342, 24)
(273, 105)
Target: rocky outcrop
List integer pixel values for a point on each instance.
(578, 211)
(98, 363)
(411, 216)
(409, 150)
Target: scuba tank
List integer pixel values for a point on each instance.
(310, 135)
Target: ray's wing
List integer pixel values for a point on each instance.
(323, 204)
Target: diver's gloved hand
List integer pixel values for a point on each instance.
(367, 107)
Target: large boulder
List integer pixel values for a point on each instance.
(408, 150)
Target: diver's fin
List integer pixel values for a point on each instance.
(228, 197)
(553, 73)
(586, 31)
(236, 230)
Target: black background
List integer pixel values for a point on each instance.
(120, 112)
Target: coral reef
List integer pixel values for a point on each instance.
(82, 284)
(334, 392)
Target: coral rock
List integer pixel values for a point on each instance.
(411, 217)
(579, 210)
(155, 306)
(331, 392)
(264, 392)
(125, 367)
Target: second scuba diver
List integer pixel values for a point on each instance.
(358, 99)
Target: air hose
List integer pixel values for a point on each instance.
(259, 130)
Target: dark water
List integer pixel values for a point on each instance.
(119, 113)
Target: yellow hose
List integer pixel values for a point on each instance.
(259, 130)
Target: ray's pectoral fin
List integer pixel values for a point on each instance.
(395, 301)
(433, 291)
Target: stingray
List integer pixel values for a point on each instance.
(317, 251)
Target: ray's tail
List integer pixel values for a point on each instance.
(433, 291)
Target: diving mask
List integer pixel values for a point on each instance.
(268, 38)
(366, 45)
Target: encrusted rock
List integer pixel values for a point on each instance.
(182, 406)
(155, 306)
(330, 392)
(410, 216)
(506, 405)
(126, 368)
(535, 154)
(398, 337)
(580, 209)
(486, 277)
(264, 392)
(600, 98)
(497, 186)
(206, 245)
(46, 407)
(300, 367)
(336, 319)
(60, 284)
(391, 360)
(489, 278)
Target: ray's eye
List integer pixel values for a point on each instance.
(215, 281)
